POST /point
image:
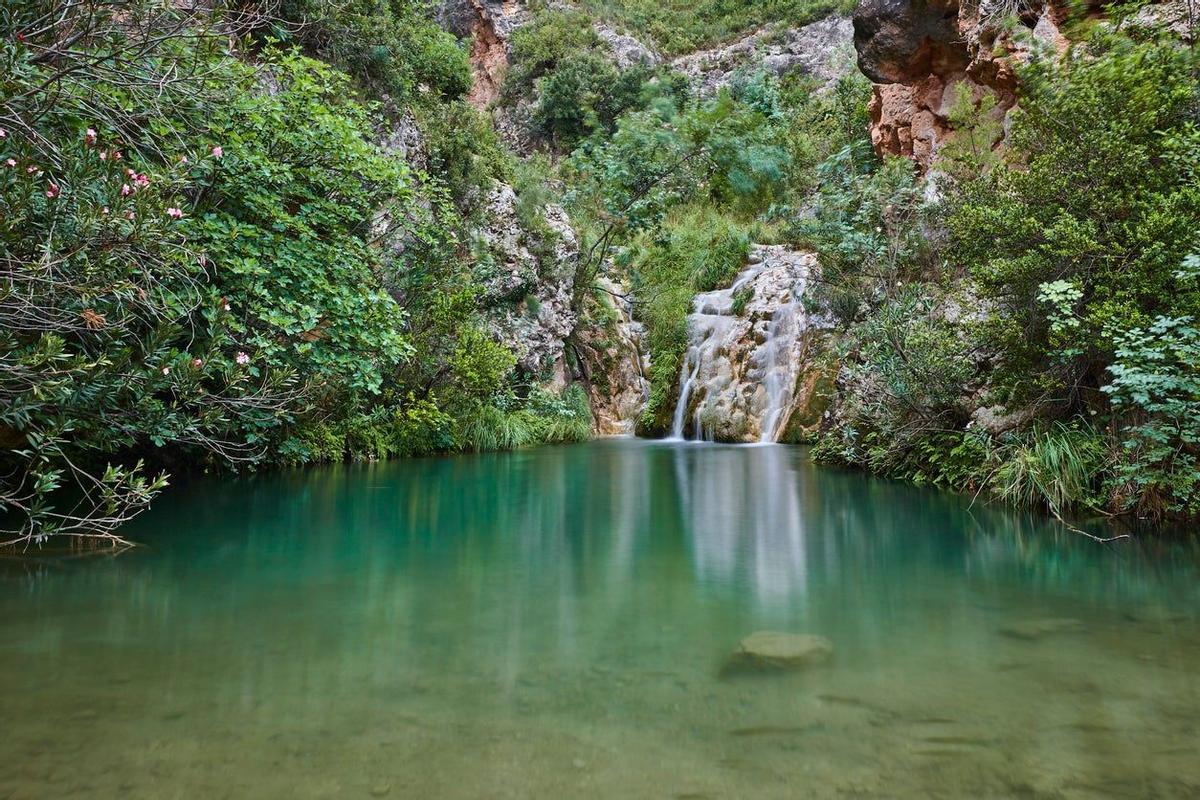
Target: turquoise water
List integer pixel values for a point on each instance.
(552, 624)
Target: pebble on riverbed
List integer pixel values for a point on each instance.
(774, 651)
(1034, 629)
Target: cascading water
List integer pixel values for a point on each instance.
(709, 325)
(745, 352)
(686, 381)
(779, 377)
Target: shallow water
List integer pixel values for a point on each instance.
(552, 624)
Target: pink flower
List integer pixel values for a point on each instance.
(12, 162)
(197, 363)
(104, 211)
(3, 133)
(166, 370)
(183, 159)
(130, 173)
(217, 152)
(103, 155)
(129, 214)
(116, 155)
(174, 213)
(243, 358)
(32, 169)
(89, 138)
(141, 180)
(126, 190)
(53, 190)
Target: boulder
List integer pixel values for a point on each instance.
(903, 41)
(775, 651)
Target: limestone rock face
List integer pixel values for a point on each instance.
(615, 360)
(748, 347)
(775, 651)
(626, 50)
(404, 139)
(488, 25)
(821, 50)
(528, 304)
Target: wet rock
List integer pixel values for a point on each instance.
(776, 651)
(1035, 629)
(1152, 615)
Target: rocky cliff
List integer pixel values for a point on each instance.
(750, 376)
(921, 53)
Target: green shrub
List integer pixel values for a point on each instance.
(1156, 387)
(285, 217)
(1053, 467)
(866, 229)
(508, 423)
(537, 49)
(905, 371)
(464, 151)
(113, 339)
(390, 46)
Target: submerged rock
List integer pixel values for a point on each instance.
(775, 651)
(1034, 629)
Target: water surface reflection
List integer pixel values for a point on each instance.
(480, 626)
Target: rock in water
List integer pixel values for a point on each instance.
(773, 651)
(1034, 629)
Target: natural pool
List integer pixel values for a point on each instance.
(552, 624)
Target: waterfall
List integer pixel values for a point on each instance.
(686, 381)
(709, 327)
(745, 352)
(779, 377)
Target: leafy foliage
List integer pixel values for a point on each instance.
(233, 273)
(112, 337)
(1102, 195)
(1156, 380)
(577, 90)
